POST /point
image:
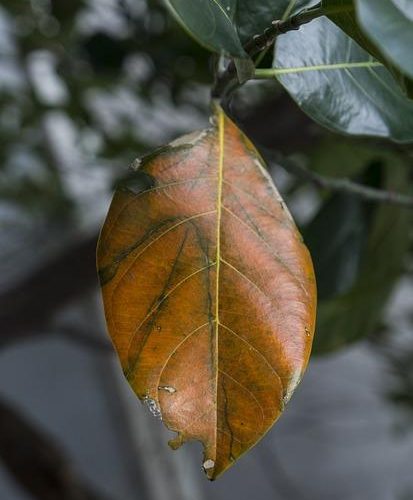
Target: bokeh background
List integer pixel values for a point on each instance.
(85, 88)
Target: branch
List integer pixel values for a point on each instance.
(347, 186)
(258, 43)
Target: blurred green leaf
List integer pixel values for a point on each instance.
(352, 315)
(346, 20)
(335, 238)
(341, 157)
(339, 84)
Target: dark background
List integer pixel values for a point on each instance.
(85, 88)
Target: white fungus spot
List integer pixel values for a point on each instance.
(208, 464)
(167, 388)
(153, 407)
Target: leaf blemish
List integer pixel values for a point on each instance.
(167, 388)
(153, 407)
(136, 164)
(208, 464)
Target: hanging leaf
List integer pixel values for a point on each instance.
(209, 291)
(339, 84)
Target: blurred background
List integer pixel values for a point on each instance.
(87, 86)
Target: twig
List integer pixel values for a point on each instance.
(258, 43)
(347, 186)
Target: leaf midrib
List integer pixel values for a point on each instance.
(220, 176)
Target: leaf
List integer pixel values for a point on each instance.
(209, 291)
(345, 18)
(225, 25)
(406, 6)
(210, 22)
(339, 157)
(335, 238)
(355, 312)
(339, 84)
(390, 25)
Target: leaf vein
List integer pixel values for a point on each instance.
(245, 389)
(243, 339)
(277, 257)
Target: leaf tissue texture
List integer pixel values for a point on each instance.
(209, 291)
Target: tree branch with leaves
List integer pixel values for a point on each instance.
(184, 209)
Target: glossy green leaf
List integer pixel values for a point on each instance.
(406, 6)
(354, 314)
(340, 85)
(210, 22)
(389, 24)
(344, 16)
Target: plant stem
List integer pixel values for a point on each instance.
(258, 43)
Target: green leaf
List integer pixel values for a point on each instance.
(337, 235)
(341, 157)
(344, 16)
(339, 84)
(389, 24)
(210, 22)
(225, 25)
(406, 6)
(350, 316)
